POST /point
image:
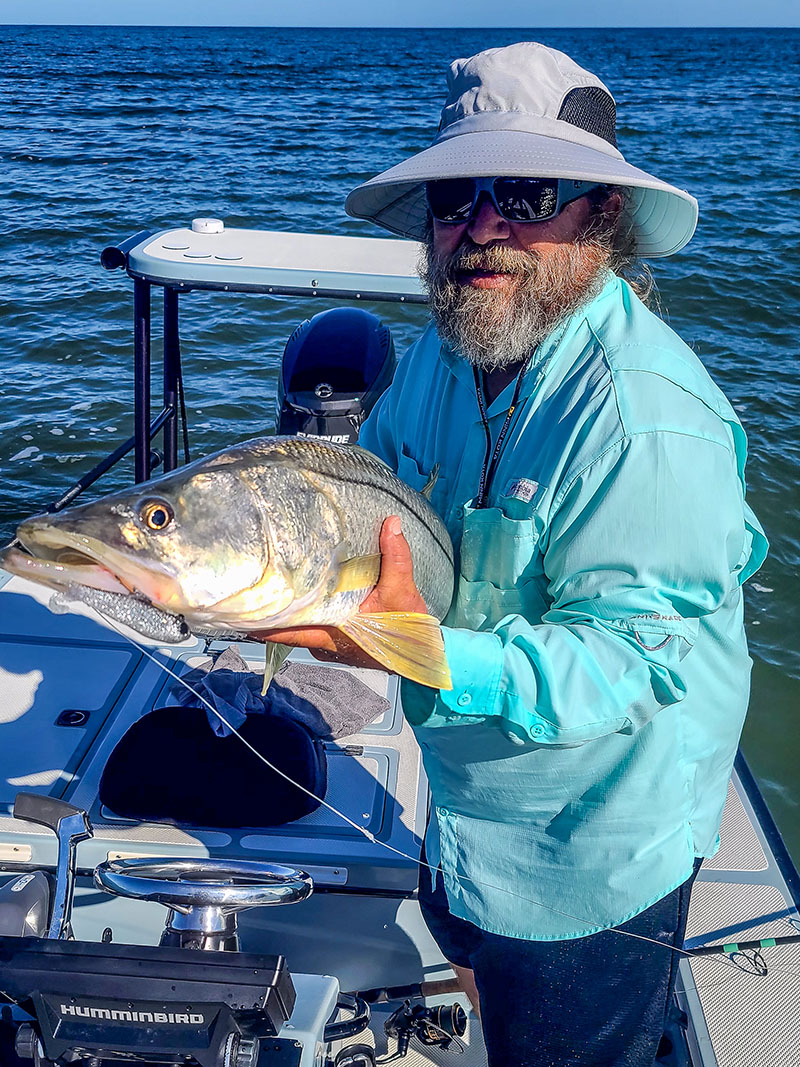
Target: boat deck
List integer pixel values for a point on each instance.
(738, 1018)
(364, 926)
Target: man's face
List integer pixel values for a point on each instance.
(497, 288)
(487, 227)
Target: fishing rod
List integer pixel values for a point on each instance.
(755, 962)
(743, 946)
(757, 967)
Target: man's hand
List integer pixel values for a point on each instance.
(395, 591)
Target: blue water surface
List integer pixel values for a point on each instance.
(105, 131)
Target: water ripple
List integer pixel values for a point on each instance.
(107, 131)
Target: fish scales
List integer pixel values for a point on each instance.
(367, 491)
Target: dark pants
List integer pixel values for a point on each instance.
(597, 1001)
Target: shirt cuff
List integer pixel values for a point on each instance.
(476, 665)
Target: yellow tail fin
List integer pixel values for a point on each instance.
(408, 643)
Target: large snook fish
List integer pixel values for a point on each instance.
(273, 533)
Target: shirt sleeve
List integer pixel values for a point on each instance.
(377, 432)
(641, 544)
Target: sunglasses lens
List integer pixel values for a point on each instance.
(526, 199)
(517, 199)
(451, 201)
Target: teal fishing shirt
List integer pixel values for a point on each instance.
(596, 640)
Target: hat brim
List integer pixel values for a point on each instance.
(664, 217)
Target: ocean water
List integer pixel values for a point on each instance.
(107, 131)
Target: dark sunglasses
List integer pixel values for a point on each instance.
(454, 200)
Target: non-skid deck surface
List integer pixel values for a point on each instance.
(53, 664)
(741, 1019)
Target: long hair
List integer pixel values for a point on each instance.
(615, 229)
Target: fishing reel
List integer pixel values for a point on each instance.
(439, 1026)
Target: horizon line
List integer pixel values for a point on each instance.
(346, 26)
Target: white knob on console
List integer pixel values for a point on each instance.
(207, 226)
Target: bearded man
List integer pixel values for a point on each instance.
(591, 477)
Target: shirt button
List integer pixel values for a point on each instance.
(443, 811)
(464, 699)
(537, 731)
(459, 513)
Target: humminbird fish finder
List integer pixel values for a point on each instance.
(148, 1004)
(194, 1000)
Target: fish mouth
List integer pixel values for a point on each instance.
(59, 558)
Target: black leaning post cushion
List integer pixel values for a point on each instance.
(42, 810)
(171, 767)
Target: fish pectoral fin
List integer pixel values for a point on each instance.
(358, 572)
(276, 655)
(408, 643)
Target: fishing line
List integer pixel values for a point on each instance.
(399, 852)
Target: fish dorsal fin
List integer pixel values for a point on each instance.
(433, 477)
(358, 572)
(408, 643)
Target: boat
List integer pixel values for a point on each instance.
(98, 910)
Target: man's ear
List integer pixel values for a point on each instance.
(613, 204)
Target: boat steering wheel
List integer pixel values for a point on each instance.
(182, 884)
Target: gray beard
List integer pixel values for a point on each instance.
(494, 329)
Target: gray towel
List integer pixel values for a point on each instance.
(329, 701)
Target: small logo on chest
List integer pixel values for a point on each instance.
(523, 489)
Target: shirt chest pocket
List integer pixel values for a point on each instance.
(410, 471)
(501, 570)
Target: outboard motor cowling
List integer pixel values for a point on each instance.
(25, 906)
(335, 366)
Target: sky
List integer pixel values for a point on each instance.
(408, 13)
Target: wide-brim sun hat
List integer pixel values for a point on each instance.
(526, 111)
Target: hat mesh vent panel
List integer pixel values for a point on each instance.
(593, 110)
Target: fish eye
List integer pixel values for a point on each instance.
(156, 514)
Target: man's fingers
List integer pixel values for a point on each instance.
(395, 590)
(397, 566)
(320, 637)
(394, 547)
(391, 526)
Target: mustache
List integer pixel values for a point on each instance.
(493, 259)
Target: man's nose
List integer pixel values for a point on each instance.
(487, 224)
